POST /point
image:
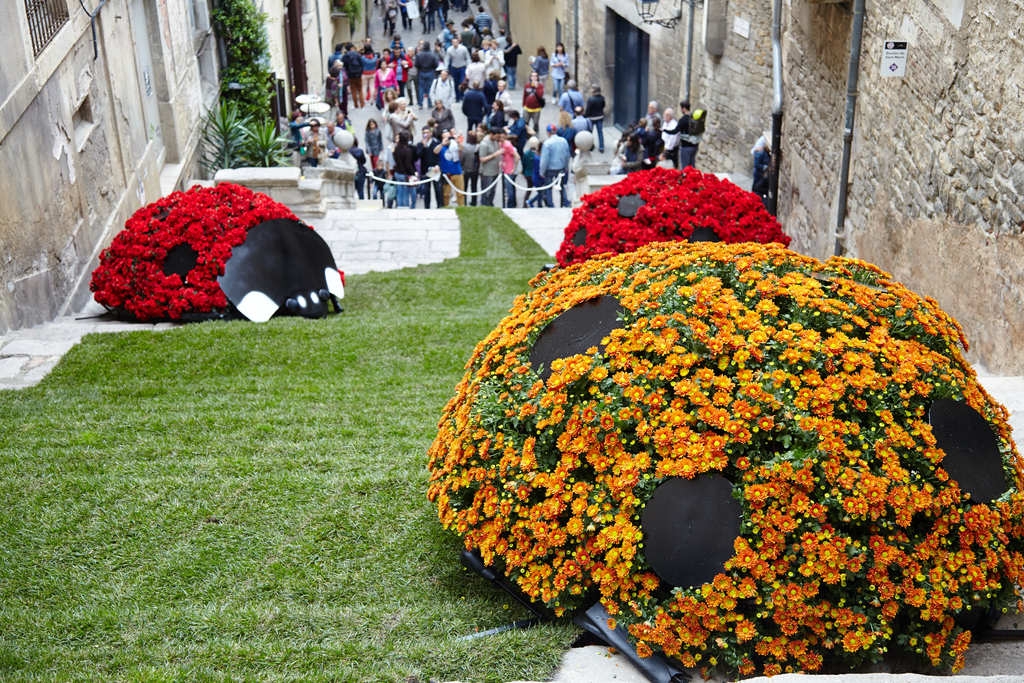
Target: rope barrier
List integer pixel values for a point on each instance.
(467, 193)
(556, 183)
(407, 183)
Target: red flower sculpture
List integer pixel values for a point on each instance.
(669, 205)
(198, 229)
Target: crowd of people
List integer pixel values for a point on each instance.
(660, 138)
(413, 152)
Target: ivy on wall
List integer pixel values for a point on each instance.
(246, 79)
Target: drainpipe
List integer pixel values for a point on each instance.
(773, 169)
(576, 41)
(852, 76)
(689, 50)
(92, 23)
(320, 38)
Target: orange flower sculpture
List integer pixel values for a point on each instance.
(833, 405)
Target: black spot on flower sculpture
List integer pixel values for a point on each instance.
(767, 463)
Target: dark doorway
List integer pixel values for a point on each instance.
(296, 50)
(632, 57)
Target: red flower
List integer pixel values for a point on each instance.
(675, 204)
(201, 226)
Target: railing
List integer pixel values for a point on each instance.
(45, 18)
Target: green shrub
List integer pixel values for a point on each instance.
(224, 134)
(246, 79)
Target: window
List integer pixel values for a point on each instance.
(45, 18)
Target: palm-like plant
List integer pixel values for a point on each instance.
(224, 134)
(263, 146)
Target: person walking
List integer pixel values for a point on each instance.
(475, 69)
(490, 165)
(533, 101)
(559, 66)
(571, 98)
(594, 111)
(425, 63)
(482, 20)
(511, 52)
(470, 161)
(370, 61)
(554, 162)
(456, 61)
(443, 90)
(474, 106)
(385, 80)
(541, 64)
(405, 171)
(762, 154)
(688, 142)
(353, 65)
(450, 161)
(405, 71)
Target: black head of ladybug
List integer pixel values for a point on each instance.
(282, 266)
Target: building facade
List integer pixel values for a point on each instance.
(100, 111)
(936, 156)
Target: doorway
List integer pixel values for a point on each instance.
(632, 58)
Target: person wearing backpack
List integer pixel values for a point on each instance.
(691, 131)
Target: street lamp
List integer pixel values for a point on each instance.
(648, 11)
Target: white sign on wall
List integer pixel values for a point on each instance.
(741, 26)
(894, 59)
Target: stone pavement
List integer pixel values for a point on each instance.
(380, 240)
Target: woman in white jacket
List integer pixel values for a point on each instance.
(443, 89)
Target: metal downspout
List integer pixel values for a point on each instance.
(576, 41)
(320, 37)
(92, 23)
(852, 77)
(777, 109)
(689, 49)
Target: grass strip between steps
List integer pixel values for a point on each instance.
(233, 500)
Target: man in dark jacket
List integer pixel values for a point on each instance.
(426, 64)
(594, 111)
(474, 105)
(353, 64)
(428, 159)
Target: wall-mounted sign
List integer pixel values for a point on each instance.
(741, 26)
(894, 59)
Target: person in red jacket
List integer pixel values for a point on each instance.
(533, 101)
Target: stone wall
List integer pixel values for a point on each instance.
(85, 131)
(735, 87)
(937, 160)
(937, 170)
(730, 70)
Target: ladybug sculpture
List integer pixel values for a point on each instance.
(217, 252)
(737, 457)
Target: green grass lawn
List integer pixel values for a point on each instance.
(232, 500)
